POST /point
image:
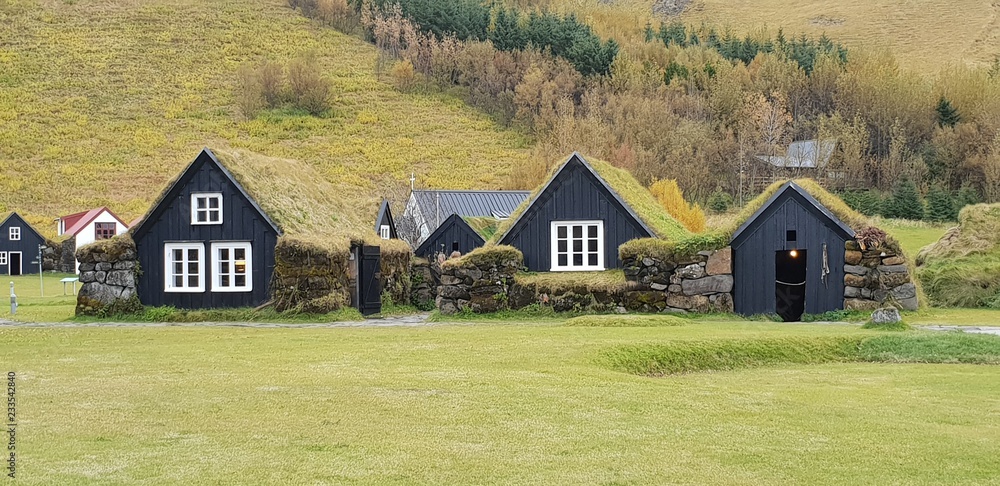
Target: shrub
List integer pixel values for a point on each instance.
(671, 197)
(249, 91)
(720, 201)
(403, 75)
(309, 91)
(867, 202)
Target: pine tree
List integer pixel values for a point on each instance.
(966, 195)
(720, 201)
(940, 205)
(905, 202)
(947, 115)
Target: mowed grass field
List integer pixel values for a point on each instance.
(104, 101)
(511, 403)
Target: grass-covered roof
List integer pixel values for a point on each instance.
(301, 202)
(962, 269)
(834, 203)
(622, 183)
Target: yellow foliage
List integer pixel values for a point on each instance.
(671, 197)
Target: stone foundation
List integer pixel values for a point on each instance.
(875, 278)
(703, 283)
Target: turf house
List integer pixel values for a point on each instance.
(237, 229)
(454, 234)
(385, 226)
(427, 210)
(19, 246)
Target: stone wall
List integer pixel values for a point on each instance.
(424, 280)
(67, 256)
(309, 278)
(875, 278)
(703, 283)
(108, 272)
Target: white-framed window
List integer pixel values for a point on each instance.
(3, 259)
(577, 245)
(383, 231)
(184, 267)
(14, 233)
(232, 267)
(206, 208)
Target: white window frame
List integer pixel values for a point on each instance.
(168, 266)
(554, 243)
(217, 264)
(383, 232)
(3, 258)
(14, 233)
(208, 212)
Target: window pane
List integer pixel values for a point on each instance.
(178, 268)
(241, 280)
(178, 281)
(223, 253)
(592, 259)
(592, 231)
(213, 202)
(578, 260)
(562, 260)
(561, 231)
(577, 245)
(192, 281)
(561, 246)
(213, 216)
(202, 217)
(591, 245)
(202, 203)
(225, 281)
(193, 268)
(223, 267)
(241, 253)
(578, 232)
(178, 255)
(193, 254)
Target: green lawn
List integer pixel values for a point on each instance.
(914, 235)
(33, 305)
(480, 403)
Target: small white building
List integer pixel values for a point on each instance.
(90, 226)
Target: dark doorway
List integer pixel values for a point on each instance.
(369, 280)
(790, 284)
(14, 263)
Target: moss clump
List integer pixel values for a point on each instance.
(117, 248)
(672, 251)
(490, 256)
(580, 282)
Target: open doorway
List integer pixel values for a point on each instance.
(790, 284)
(14, 263)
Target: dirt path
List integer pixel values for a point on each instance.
(970, 329)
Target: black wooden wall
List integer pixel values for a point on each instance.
(573, 194)
(27, 245)
(172, 223)
(452, 230)
(754, 251)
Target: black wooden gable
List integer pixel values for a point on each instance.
(790, 190)
(19, 253)
(385, 218)
(206, 157)
(27, 231)
(454, 234)
(575, 193)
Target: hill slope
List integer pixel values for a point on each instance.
(103, 101)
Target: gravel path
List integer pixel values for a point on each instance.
(400, 321)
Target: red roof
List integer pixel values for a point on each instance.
(75, 223)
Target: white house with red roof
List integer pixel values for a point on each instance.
(90, 226)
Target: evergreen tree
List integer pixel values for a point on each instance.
(720, 201)
(905, 202)
(947, 115)
(966, 195)
(507, 34)
(940, 205)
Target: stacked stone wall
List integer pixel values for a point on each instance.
(703, 283)
(108, 272)
(877, 277)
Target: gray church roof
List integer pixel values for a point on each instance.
(804, 154)
(493, 204)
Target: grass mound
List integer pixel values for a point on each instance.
(886, 326)
(721, 355)
(581, 282)
(963, 268)
(627, 320)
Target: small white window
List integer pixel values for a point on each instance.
(184, 267)
(383, 231)
(206, 208)
(3, 258)
(232, 267)
(15, 233)
(577, 245)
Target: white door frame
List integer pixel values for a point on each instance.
(20, 262)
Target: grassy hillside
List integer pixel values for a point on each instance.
(921, 34)
(103, 101)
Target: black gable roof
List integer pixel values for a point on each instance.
(792, 190)
(22, 223)
(385, 217)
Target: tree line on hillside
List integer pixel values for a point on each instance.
(689, 104)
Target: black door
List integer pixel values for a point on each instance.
(790, 284)
(369, 281)
(14, 261)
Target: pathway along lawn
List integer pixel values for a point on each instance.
(487, 403)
